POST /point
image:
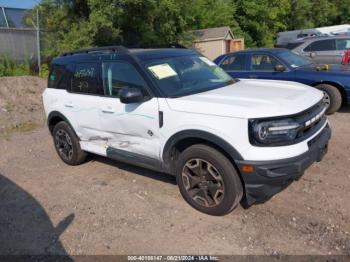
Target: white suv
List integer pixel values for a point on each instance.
(226, 140)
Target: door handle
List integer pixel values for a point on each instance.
(69, 105)
(107, 110)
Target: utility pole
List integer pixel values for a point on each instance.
(38, 39)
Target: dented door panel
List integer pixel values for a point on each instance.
(132, 127)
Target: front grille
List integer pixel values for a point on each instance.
(311, 121)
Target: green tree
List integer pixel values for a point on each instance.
(299, 15)
(72, 24)
(323, 13)
(342, 12)
(262, 19)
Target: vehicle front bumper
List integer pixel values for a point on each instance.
(270, 177)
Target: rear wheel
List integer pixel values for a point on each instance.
(67, 144)
(208, 181)
(332, 97)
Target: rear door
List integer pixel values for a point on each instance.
(262, 66)
(235, 65)
(322, 51)
(82, 105)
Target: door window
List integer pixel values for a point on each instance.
(263, 63)
(343, 44)
(234, 63)
(117, 75)
(322, 45)
(85, 79)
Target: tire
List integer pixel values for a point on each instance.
(218, 190)
(332, 98)
(67, 144)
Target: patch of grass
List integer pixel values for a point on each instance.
(19, 128)
(44, 72)
(9, 67)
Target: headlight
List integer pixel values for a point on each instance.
(273, 132)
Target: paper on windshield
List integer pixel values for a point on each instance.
(207, 61)
(162, 71)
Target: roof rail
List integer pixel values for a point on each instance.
(120, 49)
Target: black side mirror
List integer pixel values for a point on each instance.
(129, 95)
(280, 68)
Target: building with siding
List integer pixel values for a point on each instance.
(213, 42)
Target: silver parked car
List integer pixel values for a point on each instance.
(325, 49)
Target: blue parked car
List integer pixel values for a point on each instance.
(282, 64)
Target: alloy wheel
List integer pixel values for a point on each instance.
(64, 144)
(203, 182)
(326, 98)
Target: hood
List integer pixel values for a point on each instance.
(250, 99)
(332, 69)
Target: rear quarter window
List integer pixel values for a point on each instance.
(55, 75)
(60, 77)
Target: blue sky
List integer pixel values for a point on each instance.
(18, 3)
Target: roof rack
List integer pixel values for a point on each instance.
(119, 48)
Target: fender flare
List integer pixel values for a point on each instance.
(193, 133)
(54, 114)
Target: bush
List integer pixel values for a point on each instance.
(44, 72)
(9, 67)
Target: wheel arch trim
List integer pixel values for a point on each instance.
(55, 114)
(199, 134)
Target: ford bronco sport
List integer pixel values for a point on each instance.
(227, 141)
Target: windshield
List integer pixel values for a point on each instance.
(186, 75)
(294, 60)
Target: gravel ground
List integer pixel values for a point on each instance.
(21, 103)
(105, 207)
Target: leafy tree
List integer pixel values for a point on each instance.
(149, 22)
(261, 20)
(73, 24)
(322, 13)
(70, 24)
(342, 12)
(299, 15)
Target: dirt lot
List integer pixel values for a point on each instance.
(104, 207)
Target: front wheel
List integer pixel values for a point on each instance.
(332, 97)
(208, 181)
